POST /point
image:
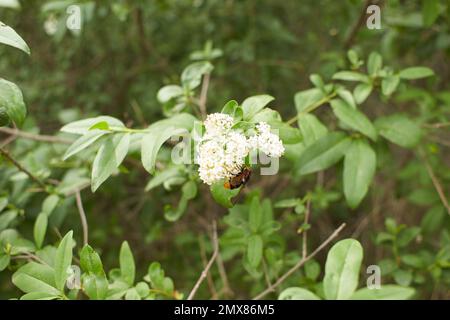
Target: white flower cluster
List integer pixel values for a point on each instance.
(222, 150)
(266, 141)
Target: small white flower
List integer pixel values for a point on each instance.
(266, 141)
(222, 151)
(218, 123)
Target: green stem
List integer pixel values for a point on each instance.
(312, 107)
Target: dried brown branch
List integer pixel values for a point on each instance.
(6, 155)
(33, 136)
(210, 262)
(300, 264)
(204, 95)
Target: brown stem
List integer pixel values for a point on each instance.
(210, 262)
(6, 154)
(84, 223)
(299, 264)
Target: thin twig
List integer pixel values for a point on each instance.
(436, 183)
(210, 262)
(204, 95)
(212, 287)
(300, 264)
(36, 137)
(305, 232)
(6, 154)
(223, 275)
(83, 219)
(357, 26)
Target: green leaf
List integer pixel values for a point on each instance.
(167, 93)
(399, 129)
(416, 73)
(389, 84)
(403, 277)
(430, 12)
(9, 37)
(13, 4)
(267, 115)
(222, 195)
(353, 118)
(188, 192)
(35, 277)
(90, 261)
(50, 204)
(433, 219)
(84, 126)
(83, 142)
(132, 294)
(3, 203)
(63, 260)
(4, 261)
(297, 294)
(127, 267)
(361, 92)
(254, 250)
(38, 296)
(40, 228)
(386, 292)
(255, 214)
(342, 269)
(12, 100)
(347, 96)
(96, 287)
(311, 128)
(287, 134)
(374, 63)
(192, 75)
(307, 98)
(323, 153)
(159, 132)
(252, 105)
(351, 76)
(109, 156)
(359, 169)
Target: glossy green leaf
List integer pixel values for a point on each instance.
(374, 63)
(353, 118)
(351, 76)
(192, 74)
(311, 128)
(9, 37)
(90, 261)
(40, 228)
(361, 92)
(222, 195)
(359, 169)
(161, 131)
(109, 156)
(323, 153)
(4, 261)
(254, 250)
(63, 259)
(305, 99)
(83, 126)
(399, 129)
(127, 266)
(167, 93)
(342, 269)
(35, 277)
(252, 105)
(83, 142)
(386, 292)
(296, 293)
(11, 100)
(413, 73)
